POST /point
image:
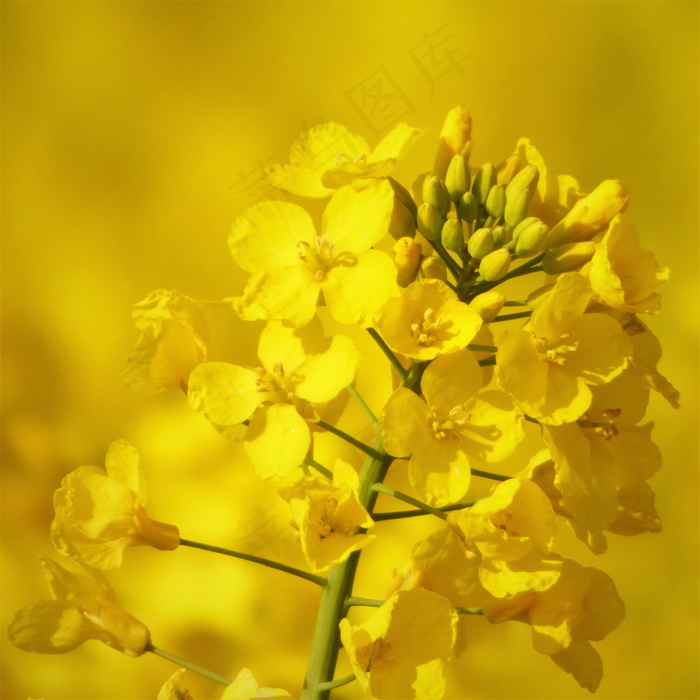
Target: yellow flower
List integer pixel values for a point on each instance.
(603, 454)
(513, 530)
(291, 265)
(82, 607)
(172, 342)
(411, 629)
(101, 512)
(427, 320)
(582, 605)
(300, 370)
(328, 156)
(624, 276)
(453, 424)
(590, 215)
(243, 687)
(548, 366)
(329, 517)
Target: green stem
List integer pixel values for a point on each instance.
(482, 348)
(530, 419)
(363, 405)
(382, 488)
(192, 667)
(402, 371)
(365, 602)
(350, 439)
(490, 475)
(515, 303)
(451, 264)
(510, 317)
(490, 360)
(524, 269)
(469, 611)
(329, 685)
(257, 560)
(397, 514)
(319, 467)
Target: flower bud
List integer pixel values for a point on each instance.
(407, 258)
(488, 305)
(484, 180)
(507, 167)
(526, 178)
(455, 138)
(458, 178)
(480, 243)
(516, 207)
(402, 195)
(402, 222)
(496, 201)
(468, 207)
(529, 237)
(429, 221)
(501, 236)
(433, 268)
(567, 257)
(495, 265)
(435, 193)
(453, 236)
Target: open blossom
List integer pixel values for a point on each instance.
(455, 422)
(329, 517)
(409, 631)
(582, 606)
(300, 370)
(623, 275)
(101, 512)
(549, 366)
(242, 687)
(328, 156)
(292, 265)
(171, 345)
(82, 607)
(427, 320)
(513, 530)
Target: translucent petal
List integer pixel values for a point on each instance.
(404, 423)
(124, 465)
(225, 394)
(277, 440)
(451, 380)
(318, 147)
(304, 182)
(49, 627)
(289, 346)
(439, 471)
(583, 662)
(324, 376)
(265, 236)
(394, 144)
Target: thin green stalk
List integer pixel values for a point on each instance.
(319, 467)
(192, 667)
(490, 475)
(370, 451)
(469, 611)
(329, 685)
(382, 488)
(510, 317)
(449, 261)
(363, 405)
(257, 560)
(515, 303)
(402, 371)
(482, 348)
(398, 514)
(487, 361)
(364, 602)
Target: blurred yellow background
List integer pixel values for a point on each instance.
(134, 132)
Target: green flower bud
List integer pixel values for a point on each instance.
(495, 265)
(453, 236)
(429, 221)
(517, 203)
(523, 225)
(526, 178)
(488, 305)
(402, 195)
(567, 257)
(531, 239)
(458, 177)
(402, 222)
(480, 243)
(496, 201)
(435, 193)
(484, 180)
(433, 268)
(501, 236)
(468, 207)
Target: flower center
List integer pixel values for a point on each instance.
(323, 515)
(345, 159)
(319, 259)
(606, 427)
(555, 351)
(423, 331)
(449, 429)
(378, 649)
(277, 384)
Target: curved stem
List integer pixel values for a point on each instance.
(350, 439)
(381, 488)
(402, 371)
(363, 405)
(192, 667)
(449, 261)
(319, 467)
(329, 685)
(257, 560)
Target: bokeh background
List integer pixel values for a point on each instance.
(133, 132)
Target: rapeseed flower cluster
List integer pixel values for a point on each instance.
(476, 368)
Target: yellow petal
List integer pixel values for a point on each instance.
(49, 627)
(304, 182)
(404, 423)
(124, 465)
(583, 662)
(289, 346)
(451, 380)
(225, 394)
